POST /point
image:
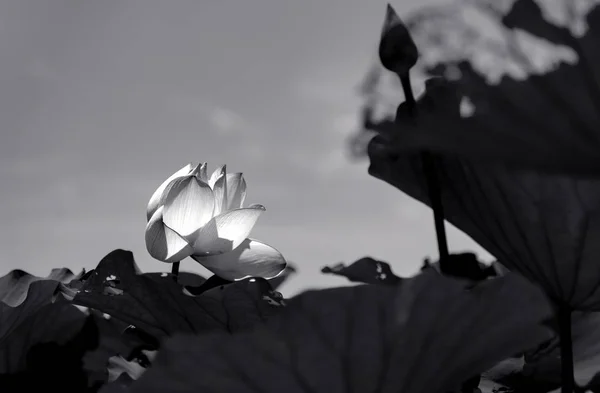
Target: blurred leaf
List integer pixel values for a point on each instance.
(465, 265)
(45, 353)
(34, 322)
(546, 227)
(425, 335)
(15, 285)
(158, 305)
(366, 270)
(508, 376)
(40, 293)
(116, 339)
(544, 364)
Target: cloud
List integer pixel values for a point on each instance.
(226, 121)
(345, 124)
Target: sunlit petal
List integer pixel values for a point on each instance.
(236, 190)
(220, 171)
(251, 259)
(196, 171)
(189, 205)
(220, 192)
(226, 231)
(157, 198)
(162, 242)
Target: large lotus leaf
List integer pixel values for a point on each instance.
(38, 294)
(547, 227)
(158, 305)
(425, 335)
(537, 108)
(539, 370)
(46, 353)
(117, 339)
(509, 376)
(545, 363)
(216, 281)
(15, 285)
(30, 324)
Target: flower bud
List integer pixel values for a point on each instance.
(397, 50)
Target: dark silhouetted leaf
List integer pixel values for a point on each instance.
(464, 265)
(158, 305)
(366, 270)
(509, 376)
(428, 334)
(212, 282)
(544, 363)
(32, 323)
(546, 227)
(498, 82)
(54, 365)
(116, 339)
(15, 285)
(40, 293)
(190, 279)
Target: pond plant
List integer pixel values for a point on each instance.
(517, 170)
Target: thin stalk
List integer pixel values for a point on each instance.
(566, 350)
(433, 186)
(175, 269)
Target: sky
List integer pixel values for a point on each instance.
(100, 101)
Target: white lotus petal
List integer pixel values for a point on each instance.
(220, 171)
(196, 171)
(157, 198)
(189, 205)
(236, 190)
(202, 173)
(225, 232)
(251, 259)
(163, 243)
(220, 192)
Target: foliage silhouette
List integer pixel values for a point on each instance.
(158, 305)
(366, 270)
(362, 338)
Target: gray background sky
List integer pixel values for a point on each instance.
(100, 101)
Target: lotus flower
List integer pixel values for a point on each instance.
(202, 217)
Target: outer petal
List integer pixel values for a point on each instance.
(189, 205)
(236, 190)
(157, 198)
(225, 232)
(162, 242)
(251, 259)
(220, 191)
(220, 171)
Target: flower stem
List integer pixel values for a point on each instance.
(433, 186)
(175, 269)
(566, 350)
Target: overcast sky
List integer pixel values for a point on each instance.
(100, 101)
